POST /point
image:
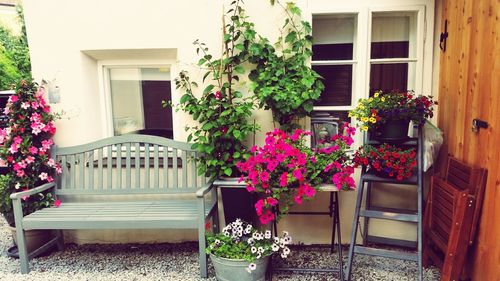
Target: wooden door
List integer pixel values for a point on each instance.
(470, 88)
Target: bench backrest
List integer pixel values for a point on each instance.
(128, 164)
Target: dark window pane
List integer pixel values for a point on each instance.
(339, 116)
(332, 52)
(381, 50)
(155, 116)
(338, 84)
(388, 77)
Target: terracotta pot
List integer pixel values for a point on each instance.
(34, 238)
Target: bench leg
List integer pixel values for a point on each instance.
(23, 251)
(203, 254)
(60, 240)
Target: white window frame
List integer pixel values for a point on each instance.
(105, 91)
(363, 10)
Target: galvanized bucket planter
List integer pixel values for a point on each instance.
(232, 270)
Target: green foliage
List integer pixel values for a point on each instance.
(282, 79)
(14, 55)
(5, 202)
(222, 111)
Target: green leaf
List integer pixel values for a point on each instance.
(292, 36)
(237, 134)
(208, 89)
(236, 155)
(185, 98)
(202, 61)
(239, 69)
(228, 171)
(207, 126)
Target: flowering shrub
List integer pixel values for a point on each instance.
(285, 170)
(374, 111)
(387, 159)
(26, 142)
(239, 240)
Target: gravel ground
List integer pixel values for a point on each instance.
(178, 262)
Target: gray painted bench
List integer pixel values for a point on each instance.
(124, 182)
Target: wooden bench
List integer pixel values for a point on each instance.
(123, 182)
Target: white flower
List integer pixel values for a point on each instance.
(239, 228)
(275, 247)
(286, 250)
(226, 233)
(276, 239)
(217, 242)
(239, 233)
(260, 250)
(25, 105)
(252, 266)
(287, 240)
(283, 256)
(253, 250)
(259, 256)
(250, 241)
(268, 234)
(17, 186)
(285, 233)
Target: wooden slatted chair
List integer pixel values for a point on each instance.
(451, 216)
(123, 182)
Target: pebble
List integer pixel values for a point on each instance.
(179, 262)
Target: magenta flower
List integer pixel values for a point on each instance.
(284, 179)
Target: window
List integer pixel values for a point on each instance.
(135, 100)
(359, 49)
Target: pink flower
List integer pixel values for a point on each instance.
(13, 148)
(50, 179)
(13, 98)
(33, 150)
(298, 199)
(20, 173)
(264, 176)
(271, 201)
(25, 105)
(218, 95)
(259, 206)
(30, 159)
(34, 105)
(43, 176)
(57, 203)
(58, 169)
(26, 196)
(51, 163)
(250, 188)
(284, 179)
(298, 174)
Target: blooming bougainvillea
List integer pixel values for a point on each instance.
(285, 170)
(388, 160)
(26, 142)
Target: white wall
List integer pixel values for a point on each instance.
(71, 40)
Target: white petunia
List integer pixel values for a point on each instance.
(286, 250)
(260, 250)
(250, 241)
(276, 239)
(252, 266)
(268, 234)
(253, 250)
(275, 247)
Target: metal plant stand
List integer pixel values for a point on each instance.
(333, 211)
(370, 211)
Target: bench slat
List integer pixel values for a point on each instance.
(100, 174)
(165, 167)
(81, 173)
(184, 168)
(156, 164)
(193, 169)
(109, 166)
(175, 168)
(137, 164)
(64, 167)
(146, 166)
(91, 169)
(117, 191)
(128, 171)
(119, 166)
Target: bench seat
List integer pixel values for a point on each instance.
(172, 214)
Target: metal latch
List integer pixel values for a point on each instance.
(478, 124)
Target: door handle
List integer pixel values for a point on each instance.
(478, 124)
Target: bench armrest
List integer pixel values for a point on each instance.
(38, 189)
(200, 193)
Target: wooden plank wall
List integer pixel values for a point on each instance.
(469, 88)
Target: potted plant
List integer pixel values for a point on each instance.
(387, 115)
(286, 171)
(242, 252)
(387, 160)
(223, 111)
(282, 80)
(25, 145)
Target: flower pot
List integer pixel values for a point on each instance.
(237, 202)
(393, 131)
(230, 270)
(34, 239)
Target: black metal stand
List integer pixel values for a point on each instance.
(371, 211)
(333, 211)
